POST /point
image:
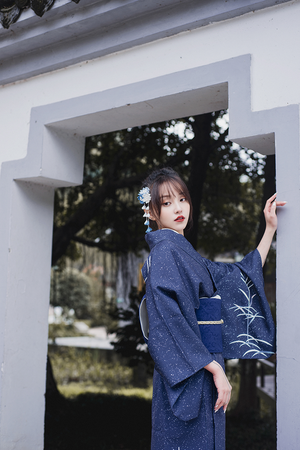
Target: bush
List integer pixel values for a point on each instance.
(98, 422)
(250, 433)
(81, 366)
(62, 330)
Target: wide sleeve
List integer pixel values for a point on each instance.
(174, 338)
(248, 330)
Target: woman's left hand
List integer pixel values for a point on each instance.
(270, 212)
(271, 226)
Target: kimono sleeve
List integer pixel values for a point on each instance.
(248, 330)
(174, 338)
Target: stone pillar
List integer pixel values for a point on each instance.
(24, 314)
(26, 222)
(288, 284)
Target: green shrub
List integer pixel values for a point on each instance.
(81, 366)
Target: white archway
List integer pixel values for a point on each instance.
(55, 158)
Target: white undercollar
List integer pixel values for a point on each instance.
(170, 230)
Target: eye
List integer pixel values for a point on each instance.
(183, 199)
(166, 203)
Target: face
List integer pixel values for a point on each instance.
(175, 210)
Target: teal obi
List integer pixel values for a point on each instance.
(210, 323)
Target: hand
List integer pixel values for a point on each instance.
(271, 226)
(222, 384)
(224, 390)
(270, 212)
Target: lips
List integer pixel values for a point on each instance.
(179, 219)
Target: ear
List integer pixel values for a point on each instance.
(151, 217)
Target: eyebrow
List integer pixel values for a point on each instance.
(168, 195)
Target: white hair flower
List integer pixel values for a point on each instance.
(144, 195)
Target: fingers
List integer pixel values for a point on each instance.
(222, 403)
(270, 206)
(271, 199)
(223, 387)
(223, 399)
(273, 202)
(270, 211)
(280, 203)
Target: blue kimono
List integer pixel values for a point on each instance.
(180, 283)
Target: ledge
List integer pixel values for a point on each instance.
(70, 33)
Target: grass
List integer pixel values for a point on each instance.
(101, 409)
(250, 432)
(102, 421)
(71, 365)
(98, 422)
(72, 390)
(62, 330)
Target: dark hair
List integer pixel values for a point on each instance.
(172, 180)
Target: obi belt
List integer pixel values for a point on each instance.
(210, 323)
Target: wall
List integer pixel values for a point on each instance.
(45, 119)
(268, 35)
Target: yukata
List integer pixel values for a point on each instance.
(179, 284)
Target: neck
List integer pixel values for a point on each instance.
(170, 230)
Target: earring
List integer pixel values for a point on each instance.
(144, 197)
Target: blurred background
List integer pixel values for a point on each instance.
(99, 372)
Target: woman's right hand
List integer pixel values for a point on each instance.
(222, 385)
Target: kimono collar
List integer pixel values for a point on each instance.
(155, 237)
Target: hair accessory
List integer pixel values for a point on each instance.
(144, 197)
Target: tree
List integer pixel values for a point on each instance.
(129, 341)
(71, 290)
(115, 165)
(247, 392)
(225, 208)
(104, 212)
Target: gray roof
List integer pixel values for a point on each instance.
(71, 31)
(10, 10)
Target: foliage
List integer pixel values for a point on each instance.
(115, 165)
(114, 422)
(72, 390)
(62, 330)
(129, 341)
(82, 366)
(225, 186)
(88, 418)
(250, 432)
(98, 422)
(71, 289)
(230, 225)
(81, 294)
(103, 212)
(103, 411)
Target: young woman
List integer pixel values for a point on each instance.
(198, 313)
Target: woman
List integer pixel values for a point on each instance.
(199, 312)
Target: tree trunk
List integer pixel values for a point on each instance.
(63, 235)
(247, 399)
(53, 396)
(201, 149)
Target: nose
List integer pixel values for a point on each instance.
(177, 206)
